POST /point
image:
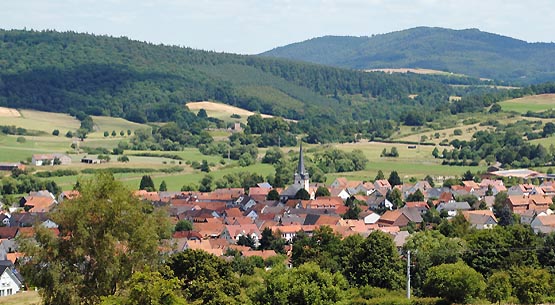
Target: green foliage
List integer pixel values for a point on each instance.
(322, 191)
(56, 132)
(56, 173)
(431, 248)
(272, 241)
(204, 167)
(302, 194)
(100, 244)
(493, 55)
(499, 287)
(416, 196)
(245, 180)
(354, 208)
(205, 278)
(149, 287)
(163, 187)
(147, 184)
(272, 195)
(379, 175)
(25, 183)
(273, 155)
(375, 263)
(393, 153)
(530, 285)
(206, 184)
(123, 159)
(334, 160)
(307, 284)
(501, 248)
(183, 225)
(323, 248)
(457, 283)
(394, 179)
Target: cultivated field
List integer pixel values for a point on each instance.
(9, 112)
(535, 103)
(40, 120)
(222, 111)
(411, 70)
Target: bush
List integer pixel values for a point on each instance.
(21, 140)
(55, 132)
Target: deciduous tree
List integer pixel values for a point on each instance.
(99, 246)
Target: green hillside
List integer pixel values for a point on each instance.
(469, 52)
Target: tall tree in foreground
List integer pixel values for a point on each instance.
(99, 246)
(376, 263)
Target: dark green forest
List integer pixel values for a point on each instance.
(470, 52)
(142, 82)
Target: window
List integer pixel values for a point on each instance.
(2, 293)
(9, 292)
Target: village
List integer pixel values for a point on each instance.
(235, 218)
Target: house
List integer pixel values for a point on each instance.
(382, 185)
(232, 233)
(377, 200)
(50, 159)
(10, 280)
(4, 219)
(369, 217)
(259, 193)
(245, 202)
(544, 224)
(421, 206)
(453, 207)
(68, 195)
(400, 218)
(39, 204)
(480, 219)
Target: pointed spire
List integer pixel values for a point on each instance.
(300, 169)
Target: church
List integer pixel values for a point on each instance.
(301, 180)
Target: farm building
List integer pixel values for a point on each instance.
(49, 159)
(11, 166)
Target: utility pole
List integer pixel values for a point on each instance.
(408, 274)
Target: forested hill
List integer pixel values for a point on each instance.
(469, 52)
(140, 81)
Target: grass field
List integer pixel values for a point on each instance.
(417, 162)
(103, 123)
(45, 121)
(535, 103)
(22, 298)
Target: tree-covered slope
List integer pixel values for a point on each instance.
(102, 75)
(469, 52)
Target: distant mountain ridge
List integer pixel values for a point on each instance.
(471, 52)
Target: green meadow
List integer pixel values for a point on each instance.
(534, 103)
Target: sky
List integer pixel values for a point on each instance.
(255, 26)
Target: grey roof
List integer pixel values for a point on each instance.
(413, 214)
(450, 206)
(478, 219)
(265, 185)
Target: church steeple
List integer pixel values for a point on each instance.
(301, 175)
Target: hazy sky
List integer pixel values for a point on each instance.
(254, 26)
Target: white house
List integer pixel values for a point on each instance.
(9, 282)
(48, 159)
